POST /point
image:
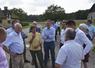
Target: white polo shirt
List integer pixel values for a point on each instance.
(70, 55)
(82, 39)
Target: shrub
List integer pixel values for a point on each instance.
(25, 24)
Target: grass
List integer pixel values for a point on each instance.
(43, 23)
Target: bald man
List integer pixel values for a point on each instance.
(3, 58)
(71, 54)
(14, 42)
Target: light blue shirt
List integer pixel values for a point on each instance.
(48, 35)
(9, 30)
(14, 42)
(91, 30)
(55, 26)
(3, 58)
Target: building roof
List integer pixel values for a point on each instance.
(92, 8)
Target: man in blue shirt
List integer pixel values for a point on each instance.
(48, 36)
(14, 43)
(91, 29)
(10, 30)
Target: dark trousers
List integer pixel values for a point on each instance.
(39, 55)
(56, 32)
(49, 46)
(24, 53)
(61, 44)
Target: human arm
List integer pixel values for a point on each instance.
(31, 36)
(44, 37)
(51, 34)
(61, 57)
(24, 36)
(6, 49)
(87, 42)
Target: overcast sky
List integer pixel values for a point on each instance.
(39, 6)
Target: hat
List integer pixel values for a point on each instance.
(34, 22)
(84, 26)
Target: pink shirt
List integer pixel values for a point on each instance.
(3, 58)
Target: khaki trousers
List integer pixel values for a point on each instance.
(17, 61)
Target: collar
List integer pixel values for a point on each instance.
(16, 33)
(69, 41)
(77, 29)
(49, 28)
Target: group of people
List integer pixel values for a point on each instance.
(74, 48)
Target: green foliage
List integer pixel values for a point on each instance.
(18, 13)
(54, 12)
(93, 49)
(25, 24)
(81, 14)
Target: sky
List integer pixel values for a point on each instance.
(37, 7)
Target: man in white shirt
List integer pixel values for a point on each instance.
(63, 24)
(80, 37)
(71, 54)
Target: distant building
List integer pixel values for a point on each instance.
(5, 17)
(91, 14)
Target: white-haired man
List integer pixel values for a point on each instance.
(14, 43)
(85, 29)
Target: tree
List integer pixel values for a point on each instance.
(18, 13)
(54, 12)
(82, 14)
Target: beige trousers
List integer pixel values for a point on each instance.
(17, 61)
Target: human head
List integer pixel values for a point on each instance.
(49, 23)
(89, 22)
(33, 29)
(70, 34)
(2, 34)
(63, 23)
(84, 28)
(71, 24)
(18, 27)
(14, 22)
(34, 23)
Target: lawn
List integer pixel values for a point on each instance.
(28, 24)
